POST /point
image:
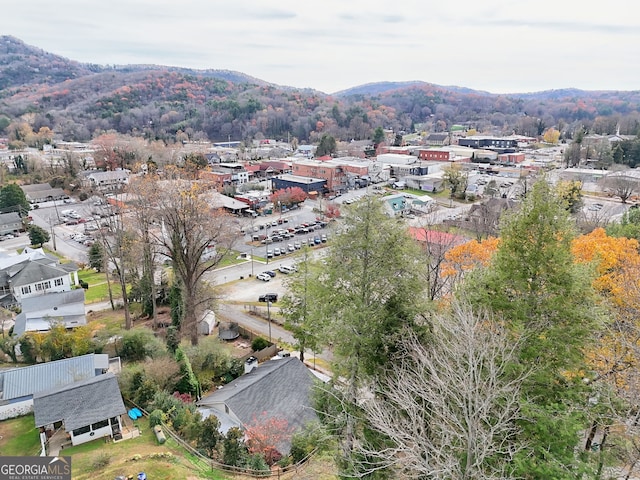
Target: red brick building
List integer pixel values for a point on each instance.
(435, 155)
(333, 173)
(511, 157)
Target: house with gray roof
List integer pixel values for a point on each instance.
(34, 274)
(87, 410)
(43, 192)
(10, 223)
(279, 388)
(108, 181)
(19, 385)
(39, 313)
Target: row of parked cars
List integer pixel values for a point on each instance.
(281, 234)
(297, 245)
(83, 239)
(269, 274)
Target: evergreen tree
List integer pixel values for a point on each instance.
(96, 257)
(367, 291)
(13, 199)
(38, 235)
(327, 146)
(548, 304)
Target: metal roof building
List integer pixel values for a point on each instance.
(22, 383)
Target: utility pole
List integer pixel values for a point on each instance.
(269, 318)
(53, 233)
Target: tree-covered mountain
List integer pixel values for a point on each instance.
(78, 101)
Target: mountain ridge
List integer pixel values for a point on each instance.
(80, 100)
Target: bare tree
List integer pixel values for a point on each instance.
(196, 234)
(449, 407)
(620, 185)
(117, 242)
(143, 216)
(435, 242)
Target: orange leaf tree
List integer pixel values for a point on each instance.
(616, 356)
(469, 256)
(265, 434)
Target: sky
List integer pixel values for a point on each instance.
(499, 46)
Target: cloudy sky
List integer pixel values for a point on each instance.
(501, 46)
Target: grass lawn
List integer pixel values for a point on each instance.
(98, 289)
(169, 461)
(19, 437)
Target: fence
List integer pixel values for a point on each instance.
(213, 465)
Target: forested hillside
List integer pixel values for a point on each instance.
(78, 101)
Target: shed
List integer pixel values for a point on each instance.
(207, 323)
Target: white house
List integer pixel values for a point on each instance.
(87, 410)
(107, 181)
(34, 273)
(40, 312)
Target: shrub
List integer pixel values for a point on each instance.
(235, 451)
(257, 463)
(259, 343)
(304, 441)
(84, 284)
(157, 417)
(139, 344)
(100, 461)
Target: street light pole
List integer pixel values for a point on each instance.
(252, 262)
(266, 243)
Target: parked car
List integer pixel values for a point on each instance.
(291, 248)
(287, 269)
(323, 238)
(271, 273)
(269, 253)
(265, 277)
(268, 297)
(276, 252)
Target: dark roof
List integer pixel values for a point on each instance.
(437, 136)
(80, 404)
(280, 388)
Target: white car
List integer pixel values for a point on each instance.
(287, 269)
(265, 277)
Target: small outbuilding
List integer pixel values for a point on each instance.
(207, 323)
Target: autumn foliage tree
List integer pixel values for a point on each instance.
(332, 210)
(551, 135)
(461, 259)
(614, 360)
(287, 197)
(265, 435)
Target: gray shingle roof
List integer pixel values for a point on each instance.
(26, 381)
(280, 388)
(81, 403)
(36, 271)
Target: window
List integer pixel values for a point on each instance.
(81, 430)
(58, 282)
(102, 424)
(43, 285)
(26, 289)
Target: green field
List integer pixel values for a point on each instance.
(98, 459)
